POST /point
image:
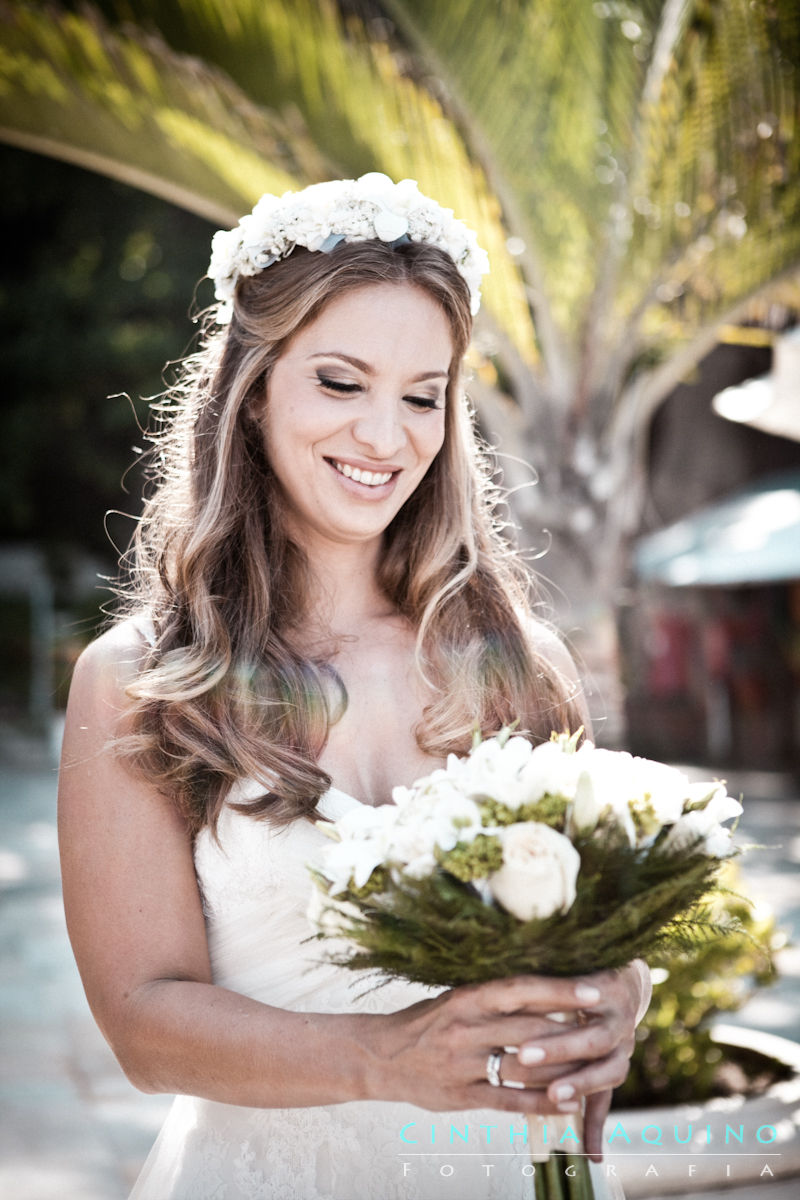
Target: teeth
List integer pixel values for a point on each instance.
(369, 478)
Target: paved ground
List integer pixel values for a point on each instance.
(72, 1127)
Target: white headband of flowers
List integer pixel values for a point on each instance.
(351, 210)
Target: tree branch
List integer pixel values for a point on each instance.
(156, 185)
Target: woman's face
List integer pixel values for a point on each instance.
(355, 412)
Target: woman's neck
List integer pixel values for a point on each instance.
(345, 592)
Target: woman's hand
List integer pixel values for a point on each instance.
(435, 1053)
(603, 1042)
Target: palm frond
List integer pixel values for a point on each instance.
(210, 105)
(651, 153)
(130, 107)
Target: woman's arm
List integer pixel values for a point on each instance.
(136, 924)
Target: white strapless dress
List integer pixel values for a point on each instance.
(255, 888)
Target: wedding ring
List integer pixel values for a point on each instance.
(493, 1067)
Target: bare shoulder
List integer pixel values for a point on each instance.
(116, 655)
(100, 797)
(549, 646)
(98, 697)
(109, 664)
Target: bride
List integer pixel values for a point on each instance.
(320, 609)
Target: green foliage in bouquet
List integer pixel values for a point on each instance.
(676, 1059)
(554, 860)
(438, 931)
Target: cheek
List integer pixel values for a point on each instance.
(290, 428)
(432, 439)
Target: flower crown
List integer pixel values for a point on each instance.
(342, 210)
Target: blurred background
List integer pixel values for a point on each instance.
(633, 170)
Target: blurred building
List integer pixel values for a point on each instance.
(710, 630)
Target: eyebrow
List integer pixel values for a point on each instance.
(360, 365)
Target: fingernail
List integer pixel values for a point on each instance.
(586, 994)
(564, 1091)
(568, 1106)
(529, 1055)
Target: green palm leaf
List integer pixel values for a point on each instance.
(212, 104)
(135, 110)
(647, 155)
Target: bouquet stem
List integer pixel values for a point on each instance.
(559, 1174)
(563, 1177)
(580, 1179)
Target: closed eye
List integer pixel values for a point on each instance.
(349, 389)
(337, 385)
(422, 401)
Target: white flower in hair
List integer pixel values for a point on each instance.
(324, 214)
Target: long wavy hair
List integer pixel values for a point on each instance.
(226, 693)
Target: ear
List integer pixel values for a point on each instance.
(255, 404)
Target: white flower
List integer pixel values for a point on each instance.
(412, 846)
(493, 770)
(720, 806)
(539, 872)
(353, 210)
(660, 789)
(550, 771)
(603, 788)
(510, 771)
(437, 817)
(702, 828)
(390, 226)
(640, 795)
(404, 836)
(365, 833)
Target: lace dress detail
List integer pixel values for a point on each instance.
(255, 889)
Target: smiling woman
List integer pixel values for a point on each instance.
(320, 608)
(350, 436)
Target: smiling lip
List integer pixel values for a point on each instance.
(367, 477)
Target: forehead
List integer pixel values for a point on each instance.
(385, 320)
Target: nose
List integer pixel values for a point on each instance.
(379, 428)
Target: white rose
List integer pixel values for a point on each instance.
(539, 871)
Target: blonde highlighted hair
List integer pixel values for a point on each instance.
(225, 692)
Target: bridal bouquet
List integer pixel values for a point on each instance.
(557, 859)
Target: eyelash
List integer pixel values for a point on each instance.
(349, 389)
